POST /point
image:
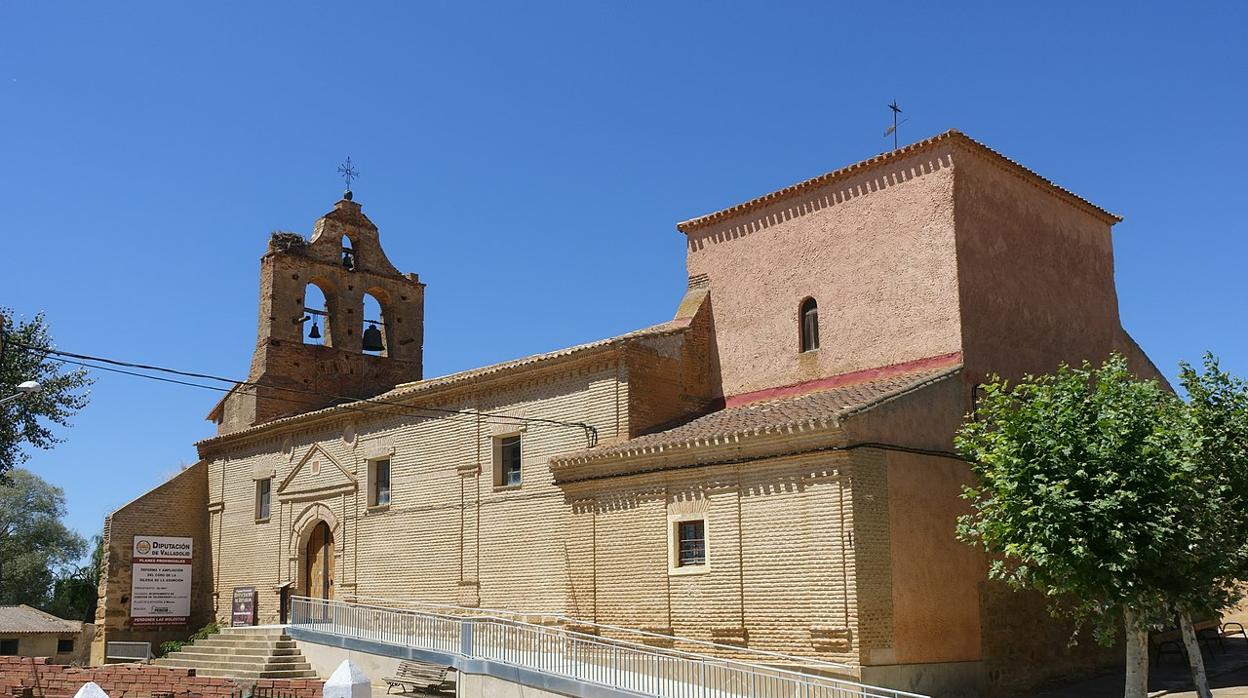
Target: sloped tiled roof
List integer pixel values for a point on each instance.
(815, 409)
(24, 619)
(952, 135)
(404, 390)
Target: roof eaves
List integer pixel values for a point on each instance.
(725, 439)
(829, 421)
(889, 397)
(414, 389)
(952, 135)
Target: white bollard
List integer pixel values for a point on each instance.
(347, 681)
(90, 689)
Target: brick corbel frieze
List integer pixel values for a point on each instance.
(720, 449)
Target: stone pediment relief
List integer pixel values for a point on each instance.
(316, 474)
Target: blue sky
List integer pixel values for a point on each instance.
(530, 160)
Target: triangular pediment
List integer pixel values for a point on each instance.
(316, 473)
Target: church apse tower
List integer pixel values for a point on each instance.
(310, 357)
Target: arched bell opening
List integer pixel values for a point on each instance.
(317, 315)
(348, 253)
(376, 337)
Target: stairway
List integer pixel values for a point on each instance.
(243, 653)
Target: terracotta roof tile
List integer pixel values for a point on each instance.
(814, 409)
(24, 619)
(404, 390)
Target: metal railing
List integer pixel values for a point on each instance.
(619, 632)
(626, 666)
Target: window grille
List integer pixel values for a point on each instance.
(691, 543)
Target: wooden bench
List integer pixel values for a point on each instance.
(1207, 633)
(417, 677)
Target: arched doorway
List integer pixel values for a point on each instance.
(318, 563)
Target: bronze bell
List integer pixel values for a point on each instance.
(315, 332)
(372, 339)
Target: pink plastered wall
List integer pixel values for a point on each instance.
(1036, 277)
(876, 250)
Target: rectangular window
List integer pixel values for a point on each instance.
(264, 490)
(65, 645)
(8, 648)
(507, 461)
(690, 543)
(379, 492)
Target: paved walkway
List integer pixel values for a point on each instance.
(1227, 669)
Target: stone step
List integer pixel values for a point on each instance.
(259, 666)
(276, 630)
(235, 674)
(190, 654)
(241, 637)
(258, 644)
(241, 651)
(192, 662)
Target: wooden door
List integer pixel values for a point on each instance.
(320, 563)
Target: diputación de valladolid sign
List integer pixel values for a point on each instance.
(160, 585)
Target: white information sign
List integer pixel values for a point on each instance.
(160, 586)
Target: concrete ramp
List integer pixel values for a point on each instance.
(493, 654)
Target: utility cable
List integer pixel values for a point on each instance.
(590, 431)
(348, 408)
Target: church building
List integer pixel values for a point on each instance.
(772, 467)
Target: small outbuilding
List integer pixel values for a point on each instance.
(29, 632)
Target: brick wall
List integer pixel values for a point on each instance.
(35, 678)
(339, 366)
(1024, 646)
(780, 572)
(175, 508)
(875, 249)
(478, 543)
(677, 375)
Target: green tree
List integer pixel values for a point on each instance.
(1076, 495)
(1204, 571)
(75, 593)
(34, 543)
(28, 421)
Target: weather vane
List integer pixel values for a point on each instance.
(348, 172)
(892, 130)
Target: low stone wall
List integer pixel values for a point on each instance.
(28, 677)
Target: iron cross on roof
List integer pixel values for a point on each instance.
(349, 173)
(892, 130)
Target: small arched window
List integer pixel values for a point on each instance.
(808, 317)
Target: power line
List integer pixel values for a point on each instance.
(590, 431)
(348, 408)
